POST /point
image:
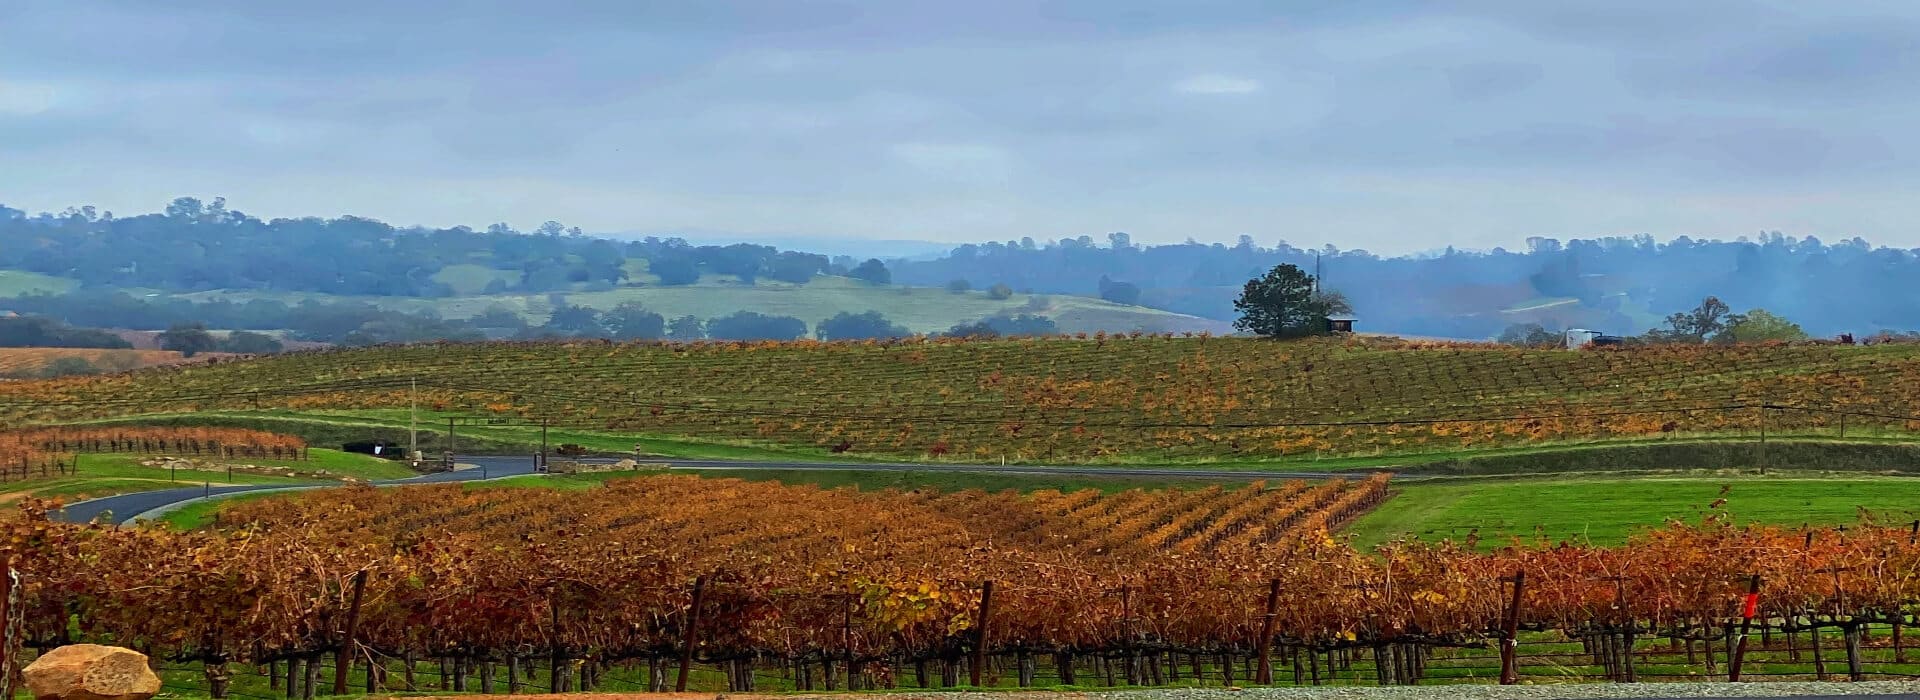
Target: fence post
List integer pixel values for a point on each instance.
(343, 659)
(980, 641)
(1746, 628)
(1265, 675)
(1509, 644)
(687, 636)
(10, 643)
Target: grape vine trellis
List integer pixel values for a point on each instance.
(859, 584)
(1064, 398)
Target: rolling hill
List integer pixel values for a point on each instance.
(1065, 399)
(920, 309)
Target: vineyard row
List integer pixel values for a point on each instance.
(671, 568)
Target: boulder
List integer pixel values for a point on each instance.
(91, 672)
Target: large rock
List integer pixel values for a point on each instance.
(91, 672)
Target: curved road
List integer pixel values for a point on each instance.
(125, 507)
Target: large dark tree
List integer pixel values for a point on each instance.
(687, 327)
(747, 325)
(1119, 292)
(574, 320)
(1283, 304)
(188, 339)
(872, 272)
(1696, 326)
(846, 326)
(250, 343)
(632, 321)
(32, 331)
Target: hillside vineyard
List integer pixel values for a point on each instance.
(1063, 398)
(863, 584)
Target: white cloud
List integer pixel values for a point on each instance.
(1215, 84)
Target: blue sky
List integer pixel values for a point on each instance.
(1388, 126)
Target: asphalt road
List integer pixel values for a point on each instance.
(125, 506)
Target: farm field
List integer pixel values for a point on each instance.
(28, 361)
(1092, 588)
(920, 309)
(1606, 511)
(100, 475)
(1099, 399)
(76, 463)
(14, 283)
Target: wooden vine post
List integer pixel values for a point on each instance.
(9, 656)
(688, 635)
(1265, 674)
(1510, 635)
(980, 639)
(343, 659)
(1747, 611)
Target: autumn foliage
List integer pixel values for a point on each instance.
(36, 450)
(1064, 398)
(800, 573)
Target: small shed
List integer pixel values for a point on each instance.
(1577, 338)
(1340, 324)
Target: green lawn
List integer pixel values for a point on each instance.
(14, 283)
(920, 309)
(1606, 510)
(470, 279)
(109, 474)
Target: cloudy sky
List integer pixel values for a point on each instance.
(1382, 125)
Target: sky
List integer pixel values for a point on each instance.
(1388, 126)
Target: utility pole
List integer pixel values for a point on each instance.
(413, 419)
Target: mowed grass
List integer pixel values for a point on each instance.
(102, 475)
(1606, 510)
(919, 309)
(14, 283)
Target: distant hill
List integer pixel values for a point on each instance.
(920, 309)
(361, 281)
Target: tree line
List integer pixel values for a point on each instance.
(195, 245)
(1609, 284)
(46, 320)
(1710, 322)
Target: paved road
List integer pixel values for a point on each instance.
(125, 506)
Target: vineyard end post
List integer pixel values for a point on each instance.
(688, 636)
(343, 660)
(1265, 676)
(1510, 636)
(980, 640)
(8, 645)
(1751, 606)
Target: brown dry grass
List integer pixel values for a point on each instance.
(21, 361)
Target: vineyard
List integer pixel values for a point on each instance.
(760, 582)
(1064, 399)
(46, 451)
